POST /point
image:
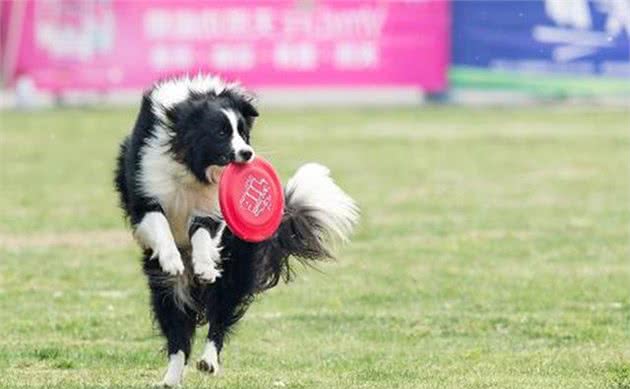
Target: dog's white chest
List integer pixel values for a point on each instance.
(185, 203)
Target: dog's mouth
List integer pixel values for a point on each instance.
(213, 173)
(225, 159)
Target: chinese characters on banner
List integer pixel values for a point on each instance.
(113, 44)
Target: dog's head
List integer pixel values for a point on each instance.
(212, 131)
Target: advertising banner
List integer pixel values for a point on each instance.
(104, 45)
(571, 46)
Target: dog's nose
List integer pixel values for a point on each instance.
(245, 155)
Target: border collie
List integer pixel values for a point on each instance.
(167, 175)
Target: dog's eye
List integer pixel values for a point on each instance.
(223, 132)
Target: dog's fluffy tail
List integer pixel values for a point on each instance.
(318, 215)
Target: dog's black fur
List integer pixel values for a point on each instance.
(199, 139)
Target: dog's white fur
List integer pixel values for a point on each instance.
(312, 187)
(174, 371)
(211, 357)
(153, 232)
(238, 144)
(168, 93)
(206, 255)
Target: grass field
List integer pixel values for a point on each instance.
(493, 252)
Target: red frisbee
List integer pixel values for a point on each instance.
(251, 199)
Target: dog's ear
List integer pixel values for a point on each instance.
(244, 102)
(247, 108)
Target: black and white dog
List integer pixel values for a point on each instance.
(167, 177)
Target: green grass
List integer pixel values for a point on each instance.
(540, 85)
(493, 252)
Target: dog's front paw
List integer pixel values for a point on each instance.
(171, 261)
(208, 367)
(205, 261)
(206, 271)
(209, 361)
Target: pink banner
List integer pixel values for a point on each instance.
(105, 45)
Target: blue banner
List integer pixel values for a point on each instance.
(576, 37)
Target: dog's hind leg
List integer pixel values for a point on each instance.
(177, 324)
(215, 312)
(209, 361)
(226, 305)
(178, 327)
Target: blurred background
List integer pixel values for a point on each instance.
(486, 142)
